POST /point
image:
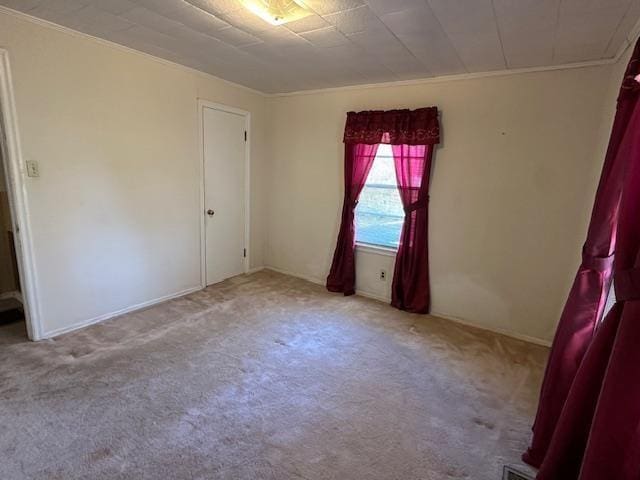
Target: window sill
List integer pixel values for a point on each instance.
(376, 249)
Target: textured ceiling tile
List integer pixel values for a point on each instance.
(527, 29)
(159, 6)
(586, 35)
(376, 38)
(184, 33)
(49, 15)
(101, 21)
(516, 16)
(197, 19)
(344, 53)
(619, 38)
(532, 51)
(454, 15)
(307, 24)
(150, 36)
(150, 19)
(574, 6)
(421, 33)
(60, 6)
(225, 54)
(326, 37)
(115, 7)
(168, 55)
(475, 37)
(390, 52)
(354, 20)
(576, 53)
(236, 37)
(280, 36)
(266, 52)
(325, 7)
(246, 20)
(404, 63)
(382, 7)
(371, 67)
(480, 52)
(214, 6)
(22, 5)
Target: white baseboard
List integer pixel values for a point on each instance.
(374, 296)
(451, 318)
(117, 313)
(255, 270)
(316, 280)
(499, 331)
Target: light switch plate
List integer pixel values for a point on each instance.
(32, 168)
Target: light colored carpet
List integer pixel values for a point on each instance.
(266, 377)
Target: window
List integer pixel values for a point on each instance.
(379, 213)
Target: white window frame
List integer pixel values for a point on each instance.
(373, 247)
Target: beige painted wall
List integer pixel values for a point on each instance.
(115, 213)
(511, 190)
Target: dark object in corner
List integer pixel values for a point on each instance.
(11, 316)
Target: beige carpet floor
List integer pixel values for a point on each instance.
(266, 377)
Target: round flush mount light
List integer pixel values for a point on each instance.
(278, 12)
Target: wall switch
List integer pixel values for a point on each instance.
(383, 275)
(32, 168)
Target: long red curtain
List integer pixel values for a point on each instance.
(588, 421)
(410, 288)
(358, 159)
(414, 132)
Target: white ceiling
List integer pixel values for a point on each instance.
(347, 42)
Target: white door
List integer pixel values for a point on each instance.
(224, 193)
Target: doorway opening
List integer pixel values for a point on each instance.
(12, 319)
(19, 312)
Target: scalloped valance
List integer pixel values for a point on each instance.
(395, 127)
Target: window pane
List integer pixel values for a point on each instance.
(379, 214)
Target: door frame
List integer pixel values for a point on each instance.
(18, 201)
(202, 104)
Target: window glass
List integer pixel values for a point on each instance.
(379, 214)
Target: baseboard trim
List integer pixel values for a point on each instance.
(85, 323)
(254, 270)
(316, 280)
(444, 316)
(373, 296)
(499, 331)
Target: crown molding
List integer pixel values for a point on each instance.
(69, 31)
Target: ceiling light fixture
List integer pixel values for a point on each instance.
(278, 12)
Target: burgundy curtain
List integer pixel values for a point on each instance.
(410, 288)
(358, 159)
(363, 132)
(588, 421)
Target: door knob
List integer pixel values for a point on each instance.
(210, 212)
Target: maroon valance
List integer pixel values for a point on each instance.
(395, 127)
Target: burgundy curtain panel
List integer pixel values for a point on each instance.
(410, 287)
(413, 133)
(588, 422)
(358, 159)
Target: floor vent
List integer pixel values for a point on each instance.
(512, 472)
